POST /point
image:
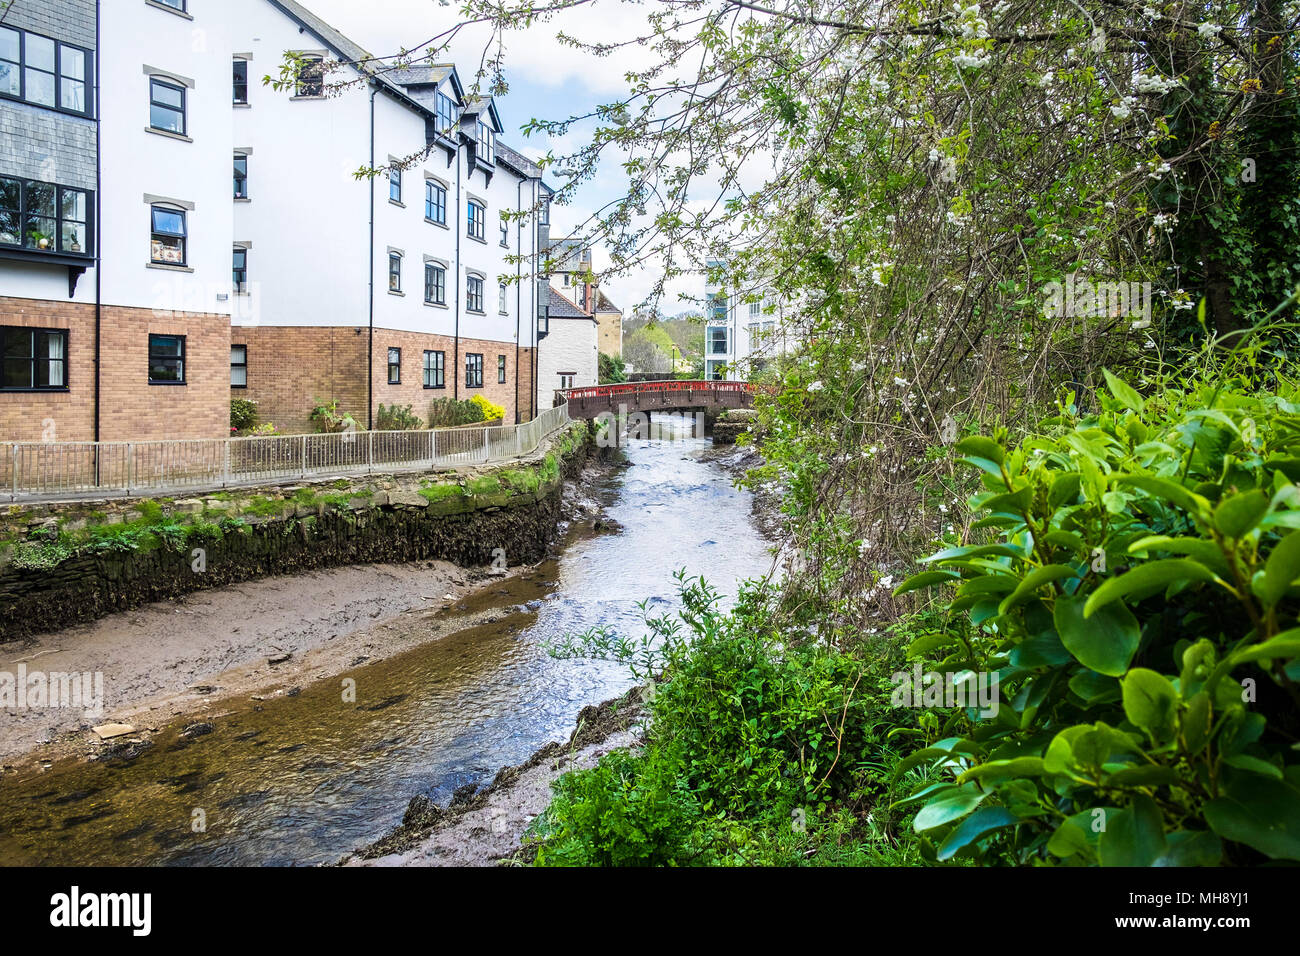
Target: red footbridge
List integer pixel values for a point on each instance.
(594, 400)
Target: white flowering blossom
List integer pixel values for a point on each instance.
(1154, 84)
(1046, 79)
(1208, 31)
(816, 387)
(967, 61)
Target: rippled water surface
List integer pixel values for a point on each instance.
(304, 779)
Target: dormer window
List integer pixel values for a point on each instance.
(445, 113)
(485, 152)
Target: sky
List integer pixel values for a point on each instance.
(547, 81)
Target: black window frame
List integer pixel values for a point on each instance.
(24, 216)
(437, 367)
(58, 74)
(394, 367)
(485, 150)
(394, 272)
(237, 82)
(183, 109)
(310, 84)
(239, 274)
(179, 5)
(501, 369)
(503, 298)
(472, 221)
(473, 294)
(435, 201)
(505, 233)
(241, 177)
(5, 332)
(242, 365)
(447, 116)
(162, 357)
(183, 236)
(395, 184)
(473, 370)
(440, 287)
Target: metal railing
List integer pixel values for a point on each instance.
(36, 470)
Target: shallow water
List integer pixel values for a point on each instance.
(305, 779)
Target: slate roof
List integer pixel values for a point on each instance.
(563, 308)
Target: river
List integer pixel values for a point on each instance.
(301, 780)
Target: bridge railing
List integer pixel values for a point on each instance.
(669, 385)
(69, 470)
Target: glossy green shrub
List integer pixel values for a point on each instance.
(1137, 598)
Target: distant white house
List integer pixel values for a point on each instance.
(743, 330)
(568, 353)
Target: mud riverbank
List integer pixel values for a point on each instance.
(304, 774)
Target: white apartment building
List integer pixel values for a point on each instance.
(743, 330)
(227, 247)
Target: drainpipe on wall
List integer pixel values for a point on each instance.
(99, 221)
(370, 343)
(519, 292)
(455, 388)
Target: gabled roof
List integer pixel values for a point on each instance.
(484, 104)
(430, 75)
(517, 161)
(563, 308)
(395, 81)
(604, 305)
(341, 45)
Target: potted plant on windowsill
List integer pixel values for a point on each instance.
(75, 244)
(39, 239)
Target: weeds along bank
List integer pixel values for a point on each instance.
(61, 564)
(1099, 665)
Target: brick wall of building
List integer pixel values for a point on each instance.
(290, 368)
(130, 408)
(53, 416)
(411, 390)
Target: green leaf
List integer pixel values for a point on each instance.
(1150, 775)
(1166, 490)
(1284, 646)
(997, 770)
(952, 806)
(978, 824)
(1191, 848)
(1254, 765)
(981, 447)
(972, 551)
(1133, 837)
(1261, 813)
(1147, 579)
(1039, 577)
(1281, 569)
(1105, 642)
(1237, 516)
(1078, 834)
(1150, 702)
(1126, 394)
(924, 580)
(1206, 552)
